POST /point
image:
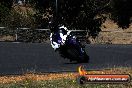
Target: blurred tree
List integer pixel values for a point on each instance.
(5, 7)
(44, 11)
(122, 12)
(77, 14)
(7, 3)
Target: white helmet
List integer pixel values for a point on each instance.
(63, 27)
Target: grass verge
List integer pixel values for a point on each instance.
(60, 80)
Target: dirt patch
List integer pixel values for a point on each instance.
(7, 38)
(112, 34)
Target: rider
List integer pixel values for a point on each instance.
(58, 36)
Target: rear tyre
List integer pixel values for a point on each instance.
(74, 55)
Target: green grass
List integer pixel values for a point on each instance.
(61, 83)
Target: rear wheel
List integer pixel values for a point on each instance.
(74, 55)
(84, 59)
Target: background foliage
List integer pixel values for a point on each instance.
(75, 14)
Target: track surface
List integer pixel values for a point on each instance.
(18, 58)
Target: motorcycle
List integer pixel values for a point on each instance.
(69, 46)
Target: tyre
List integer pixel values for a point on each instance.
(86, 58)
(83, 59)
(74, 55)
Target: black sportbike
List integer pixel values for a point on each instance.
(73, 50)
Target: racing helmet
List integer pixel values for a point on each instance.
(63, 30)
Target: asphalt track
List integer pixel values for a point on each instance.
(19, 58)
